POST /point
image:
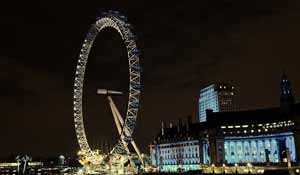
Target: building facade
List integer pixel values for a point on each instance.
(172, 157)
(267, 136)
(176, 148)
(255, 141)
(218, 97)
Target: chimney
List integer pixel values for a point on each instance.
(179, 127)
(162, 128)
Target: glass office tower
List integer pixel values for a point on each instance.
(217, 97)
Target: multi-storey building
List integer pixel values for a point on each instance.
(177, 148)
(262, 136)
(218, 97)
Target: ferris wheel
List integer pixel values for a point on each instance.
(125, 125)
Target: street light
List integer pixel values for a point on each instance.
(236, 166)
(224, 168)
(213, 168)
(249, 165)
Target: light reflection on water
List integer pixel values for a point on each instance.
(69, 173)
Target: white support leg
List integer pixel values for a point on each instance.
(117, 122)
(121, 121)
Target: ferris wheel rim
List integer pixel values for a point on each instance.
(119, 23)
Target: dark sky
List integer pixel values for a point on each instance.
(184, 46)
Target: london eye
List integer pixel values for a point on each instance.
(125, 125)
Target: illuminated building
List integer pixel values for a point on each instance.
(268, 136)
(14, 167)
(262, 136)
(218, 97)
(176, 148)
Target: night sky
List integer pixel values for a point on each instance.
(184, 46)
